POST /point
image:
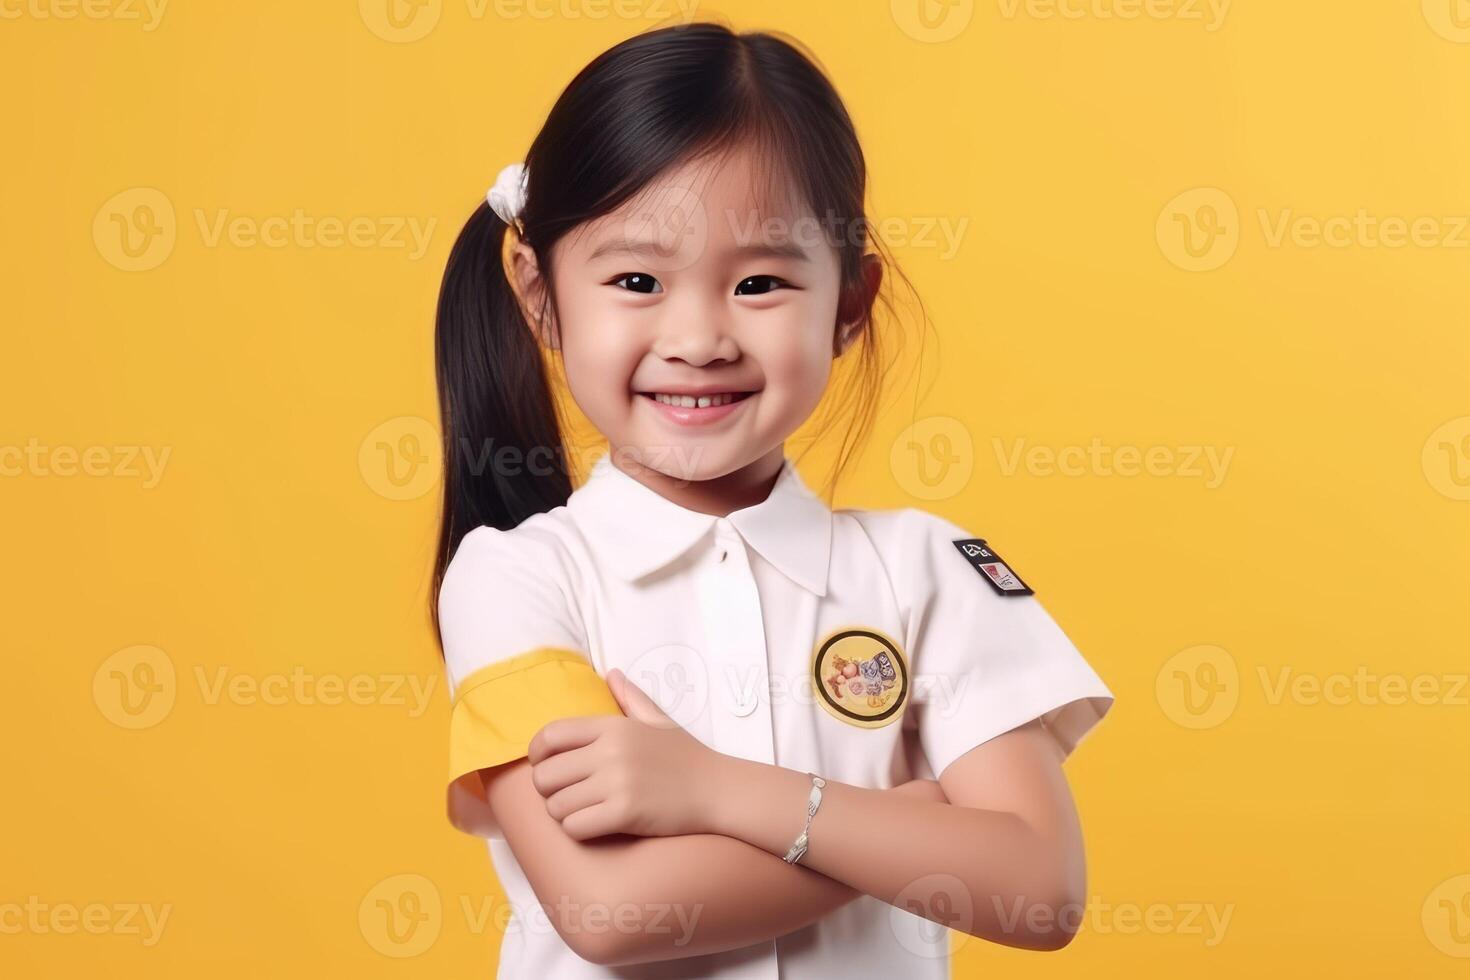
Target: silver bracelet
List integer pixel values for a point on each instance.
(813, 801)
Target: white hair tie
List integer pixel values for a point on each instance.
(508, 195)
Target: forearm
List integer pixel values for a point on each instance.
(992, 866)
(620, 899)
(661, 898)
(700, 893)
(740, 893)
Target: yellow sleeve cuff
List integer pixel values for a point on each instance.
(498, 708)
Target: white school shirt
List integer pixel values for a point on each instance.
(866, 646)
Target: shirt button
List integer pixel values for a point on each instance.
(724, 537)
(741, 705)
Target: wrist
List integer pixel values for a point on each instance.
(713, 794)
(763, 805)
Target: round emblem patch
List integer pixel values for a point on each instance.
(861, 676)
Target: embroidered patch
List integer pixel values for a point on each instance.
(861, 676)
(991, 568)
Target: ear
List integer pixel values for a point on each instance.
(855, 309)
(531, 294)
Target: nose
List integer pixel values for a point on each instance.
(697, 331)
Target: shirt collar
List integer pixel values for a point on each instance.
(637, 531)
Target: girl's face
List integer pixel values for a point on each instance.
(695, 294)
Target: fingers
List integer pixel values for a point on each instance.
(568, 800)
(565, 734)
(561, 770)
(634, 702)
(597, 820)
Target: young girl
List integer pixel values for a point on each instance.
(709, 726)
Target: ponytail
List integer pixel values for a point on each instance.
(503, 450)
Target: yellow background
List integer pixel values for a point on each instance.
(284, 381)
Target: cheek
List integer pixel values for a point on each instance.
(801, 361)
(599, 350)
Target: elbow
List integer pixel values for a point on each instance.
(1062, 914)
(1043, 926)
(1066, 891)
(602, 932)
(573, 916)
(1050, 916)
(608, 948)
(598, 946)
(596, 942)
(596, 949)
(1066, 918)
(1063, 887)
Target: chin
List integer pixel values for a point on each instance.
(692, 459)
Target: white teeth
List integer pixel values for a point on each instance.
(690, 401)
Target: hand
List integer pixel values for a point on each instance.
(637, 774)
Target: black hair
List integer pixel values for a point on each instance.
(653, 101)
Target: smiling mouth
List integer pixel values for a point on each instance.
(697, 401)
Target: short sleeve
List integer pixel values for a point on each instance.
(986, 662)
(515, 658)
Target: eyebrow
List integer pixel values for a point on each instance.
(783, 250)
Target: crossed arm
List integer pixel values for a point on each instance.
(1000, 821)
(729, 893)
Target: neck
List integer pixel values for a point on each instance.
(740, 488)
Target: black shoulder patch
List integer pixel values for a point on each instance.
(991, 568)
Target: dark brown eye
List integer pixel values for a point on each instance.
(637, 282)
(758, 285)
